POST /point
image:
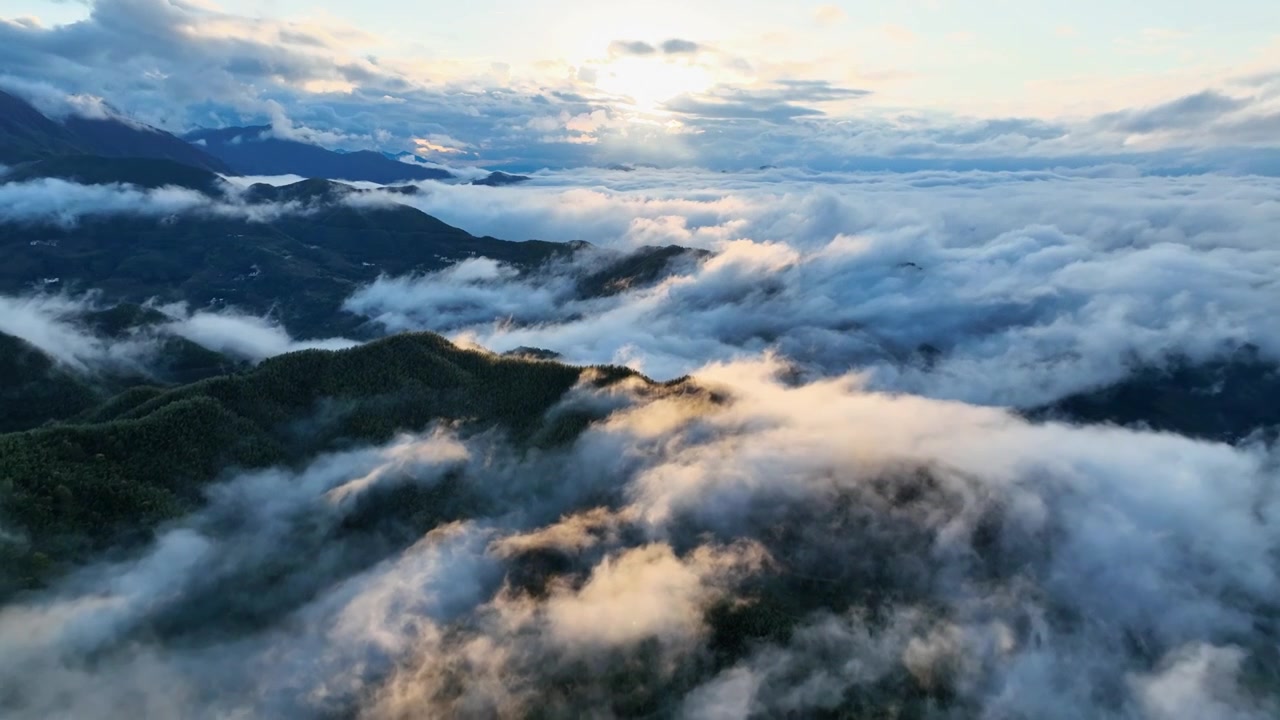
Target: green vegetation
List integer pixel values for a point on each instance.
(146, 455)
(142, 172)
(34, 390)
(300, 266)
(646, 266)
(1225, 399)
(25, 134)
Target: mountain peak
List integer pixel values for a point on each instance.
(27, 134)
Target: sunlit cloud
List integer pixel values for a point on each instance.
(748, 85)
(434, 145)
(647, 83)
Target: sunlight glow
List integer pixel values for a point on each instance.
(649, 82)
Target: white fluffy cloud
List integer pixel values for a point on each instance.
(246, 336)
(50, 200)
(1034, 570)
(45, 321)
(53, 324)
(995, 288)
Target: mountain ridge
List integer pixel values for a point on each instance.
(26, 135)
(74, 487)
(300, 259)
(253, 150)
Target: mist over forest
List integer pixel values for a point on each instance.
(678, 382)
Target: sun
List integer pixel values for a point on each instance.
(649, 82)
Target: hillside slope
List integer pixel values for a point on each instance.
(27, 134)
(146, 455)
(300, 258)
(255, 151)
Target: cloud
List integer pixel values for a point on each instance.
(1187, 112)
(839, 514)
(745, 109)
(475, 290)
(54, 324)
(58, 104)
(676, 46)
(317, 82)
(789, 548)
(48, 322)
(190, 561)
(659, 595)
(776, 104)
(631, 47)
(65, 203)
(1054, 284)
(246, 336)
(51, 199)
(1201, 681)
(899, 34)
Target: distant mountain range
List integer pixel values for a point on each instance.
(256, 151)
(498, 179)
(27, 134)
(301, 264)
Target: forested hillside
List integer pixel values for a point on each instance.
(111, 471)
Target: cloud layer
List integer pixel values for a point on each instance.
(994, 288)
(809, 546)
(63, 202)
(54, 324)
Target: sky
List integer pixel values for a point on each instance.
(560, 83)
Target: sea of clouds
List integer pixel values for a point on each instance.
(846, 494)
(993, 288)
(946, 559)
